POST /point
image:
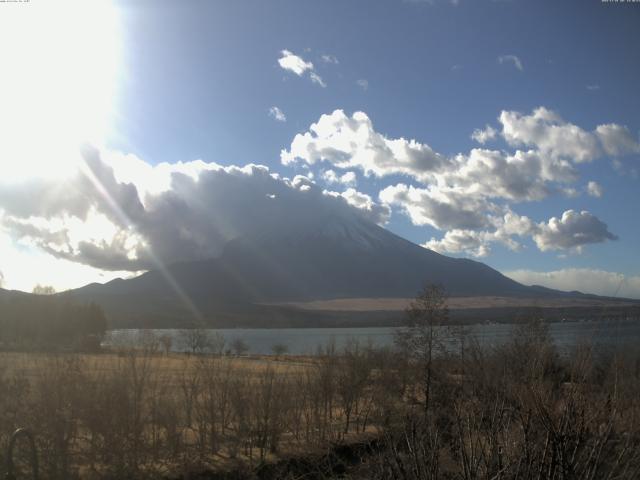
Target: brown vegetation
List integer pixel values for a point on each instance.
(145, 414)
(45, 322)
(455, 303)
(435, 409)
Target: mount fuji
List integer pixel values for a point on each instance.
(259, 277)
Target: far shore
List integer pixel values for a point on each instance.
(458, 303)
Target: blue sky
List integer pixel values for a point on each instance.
(197, 80)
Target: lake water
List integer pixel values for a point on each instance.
(303, 341)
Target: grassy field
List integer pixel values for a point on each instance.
(460, 303)
(172, 367)
(516, 411)
(137, 413)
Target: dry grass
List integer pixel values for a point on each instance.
(171, 366)
(456, 303)
(518, 411)
(139, 413)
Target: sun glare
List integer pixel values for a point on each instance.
(60, 66)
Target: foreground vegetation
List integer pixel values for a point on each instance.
(430, 408)
(50, 323)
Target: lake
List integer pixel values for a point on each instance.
(302, 341)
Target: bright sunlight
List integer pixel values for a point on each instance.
(59, 77)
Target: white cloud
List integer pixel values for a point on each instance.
(317, 79)
(599, 282)
(329, 59)
(546, 131)
(25, 265)
(521, 176)
(278, 114)
(594, 189)
(363, 84)
(373, 211)
(571, 192)
(348, 178)
(95, 219)
(572, 230)
(514, 59)
(617, 140)
(296, 64)
(352, 142)
(466, 194)
(477, 243)
(482, 136)
(293, 63)
(330, 176)
(440, 208)
(461, 241)
(593, 87)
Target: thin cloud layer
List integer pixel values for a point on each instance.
(363, 83)
(328, 58)
(594, 189)
(277, 114)
(513, 59)
(586, 280)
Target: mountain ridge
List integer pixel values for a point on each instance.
(255, 277)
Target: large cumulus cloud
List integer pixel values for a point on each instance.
(469, 196)
(120, 213)
(545, 130)
(352, 142)
(572, 230)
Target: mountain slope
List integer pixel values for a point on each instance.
(356, 259)
(336, 256)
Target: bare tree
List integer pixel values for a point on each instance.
(148, 341)
(239, 346)
(167, 341)
(196, 340)
(279, 349)
(420, 336)
(217, 343)
(352, 379)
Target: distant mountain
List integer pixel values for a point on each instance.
(8, 294)
(335, 256)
